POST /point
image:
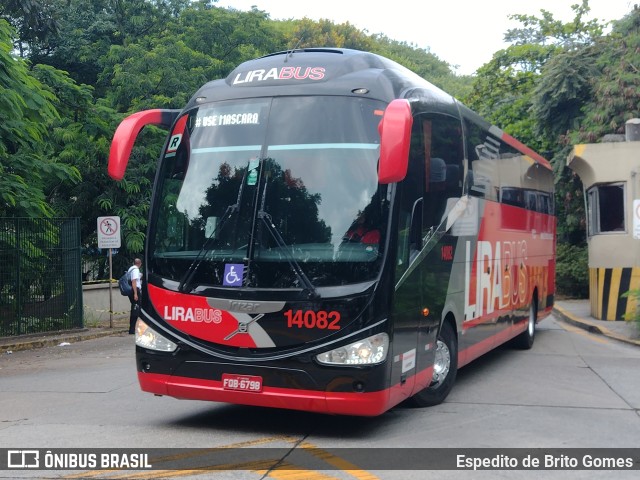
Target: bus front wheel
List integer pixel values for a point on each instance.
(445, 368)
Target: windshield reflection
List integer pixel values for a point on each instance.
(213, 198)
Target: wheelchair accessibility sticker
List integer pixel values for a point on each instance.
(233, 275)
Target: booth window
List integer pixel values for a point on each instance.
(606, 208)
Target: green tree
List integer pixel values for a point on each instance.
(564, 88)
(546, 31)
(86, 29)
(32, 19)
(536, 90)
(615, 84)
(102, 59)
(506, 88)
(306, 33)
(309, 33)
(226, 35)
(155, 73)
(26, 111)
(572, 271)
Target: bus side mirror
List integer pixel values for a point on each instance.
(395, 140)
(126, 135)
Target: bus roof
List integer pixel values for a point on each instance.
(318, 71)
(341, 71)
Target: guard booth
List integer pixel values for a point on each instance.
(610, 174)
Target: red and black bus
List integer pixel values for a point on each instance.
(329, 232)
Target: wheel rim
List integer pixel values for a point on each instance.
(442, 363)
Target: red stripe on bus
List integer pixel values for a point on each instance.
(477, 350)
(508, 139)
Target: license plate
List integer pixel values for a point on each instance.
(243, 383)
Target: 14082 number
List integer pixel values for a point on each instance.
(312, 319)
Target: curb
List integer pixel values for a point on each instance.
(567, 317)
(51, 341)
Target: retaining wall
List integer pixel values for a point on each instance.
(96, 303)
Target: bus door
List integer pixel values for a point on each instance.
(442, 156)
(425, 250)
(408, 297)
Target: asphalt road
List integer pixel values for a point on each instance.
(572, 390)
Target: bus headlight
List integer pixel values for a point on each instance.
(369, 351)
(147, 337)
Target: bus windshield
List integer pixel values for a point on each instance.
(271, 193)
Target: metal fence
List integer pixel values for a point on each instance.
(40, 275)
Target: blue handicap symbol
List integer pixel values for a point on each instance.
(233, 275)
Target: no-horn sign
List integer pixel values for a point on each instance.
(109, 232)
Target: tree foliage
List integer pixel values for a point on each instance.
(547, 31)
(559, 96)
(72, 69)
(559, 84)
(26, 113)
(615, 86)
(508, 91)
(572, 271)
(32, 19)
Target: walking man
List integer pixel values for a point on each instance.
(136, 290)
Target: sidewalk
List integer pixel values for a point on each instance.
(575, 312)
(578, 313)
(119, 326)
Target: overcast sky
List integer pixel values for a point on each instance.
(465, 33)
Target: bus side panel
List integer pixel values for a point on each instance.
(495, 275)
(469, 284)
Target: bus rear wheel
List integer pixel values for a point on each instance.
(445, 368)
(524, 341)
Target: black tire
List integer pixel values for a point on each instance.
(525, 340)
(445, 369)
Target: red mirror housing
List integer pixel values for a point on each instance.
(395, 140)
(126, 135)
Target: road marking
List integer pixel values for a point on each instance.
(287, 471)
(182, 456)
(275, 468)
(336, 461)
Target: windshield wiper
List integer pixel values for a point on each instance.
(293, 263)
(273, 230)
(186, 279)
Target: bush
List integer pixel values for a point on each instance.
(633, 295)
(572, 270)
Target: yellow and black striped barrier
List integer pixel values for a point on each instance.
(607, 287)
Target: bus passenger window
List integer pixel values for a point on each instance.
(544, 202)
(512, 196)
